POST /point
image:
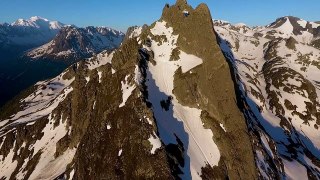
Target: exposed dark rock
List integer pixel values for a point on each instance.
(291, 43)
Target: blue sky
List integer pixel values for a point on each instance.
(121, 14)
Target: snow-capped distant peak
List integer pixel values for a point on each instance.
(286, 26)
(219, 20)
(21, 22)
(38, 22)
(38, 18)
(66, 44)
(56, 25)
(282, 25)
(240, 24)
(29, 33)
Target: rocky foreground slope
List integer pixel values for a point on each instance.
(180, 99)
(278, 73)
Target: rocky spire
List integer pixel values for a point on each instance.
(197, 37)
(181, 2)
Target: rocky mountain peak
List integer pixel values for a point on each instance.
(197, 37)
(181, 2)
(29, 33)
(296, 26)
(280, 21)
(75, 43)
(196, 26)
(38, 22)
(38, 18)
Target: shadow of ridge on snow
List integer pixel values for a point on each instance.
(171, 130)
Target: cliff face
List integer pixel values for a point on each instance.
(163, 105)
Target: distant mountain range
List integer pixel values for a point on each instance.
(28, 33)
(75, 43)
(55, 40)
(37, 48)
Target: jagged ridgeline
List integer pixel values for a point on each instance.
(278, 72)
(163, 105)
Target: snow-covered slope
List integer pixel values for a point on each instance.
(278, 70)
(28, 32)
(76, 43)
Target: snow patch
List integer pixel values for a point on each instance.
(71, 174)
(100, 76)
(94, 105)
(149, 121)
(101, 59)
(120, 152)
(126, 90)
(136, 32)
(294, 170)
(222, 126)
(87, 79)
(302, 23)
(137, 75)
(8, 165)
(155, 142)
